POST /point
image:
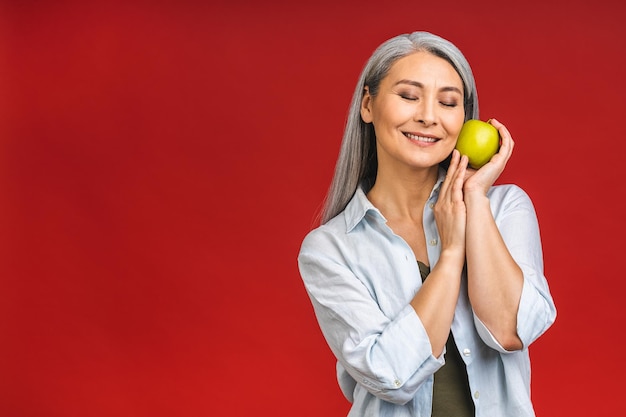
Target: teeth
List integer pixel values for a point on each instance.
(420, 138)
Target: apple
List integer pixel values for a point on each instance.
(479, 141)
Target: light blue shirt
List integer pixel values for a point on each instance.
(361, 277)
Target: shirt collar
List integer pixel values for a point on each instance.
(360, 206)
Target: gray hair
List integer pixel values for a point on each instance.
(357, 162)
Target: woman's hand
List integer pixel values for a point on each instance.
(481, 180)
(450, 211)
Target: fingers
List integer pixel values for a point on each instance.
(450, 212)
(453, 183)
(459, 179)
(507, 143)
(455, 162)
(486, 176)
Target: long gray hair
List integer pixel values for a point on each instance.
(357, 162)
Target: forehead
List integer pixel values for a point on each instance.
(425, 68)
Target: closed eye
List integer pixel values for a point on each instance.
(408, 97)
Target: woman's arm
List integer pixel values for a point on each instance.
(436, 301)
(388, 354)
(495, 280)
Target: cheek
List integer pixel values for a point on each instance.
(390, 112)
(455, 124)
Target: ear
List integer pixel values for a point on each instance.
(366, 106)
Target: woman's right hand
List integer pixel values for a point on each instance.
(450, 211)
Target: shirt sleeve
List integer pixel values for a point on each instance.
(517, 222)
(390, 356)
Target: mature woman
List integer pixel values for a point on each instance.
(426, 278)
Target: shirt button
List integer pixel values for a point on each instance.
(433, 242)
(476, 394)
(467, 352)
(397, 383)
(431, 205)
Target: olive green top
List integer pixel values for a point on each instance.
(451, 393)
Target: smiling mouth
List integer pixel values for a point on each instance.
(420, 138)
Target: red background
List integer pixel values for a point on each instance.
(162, 161)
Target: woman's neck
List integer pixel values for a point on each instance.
(403, 196)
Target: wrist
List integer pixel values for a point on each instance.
(475, 198)
(453, 257)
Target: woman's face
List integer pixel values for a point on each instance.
(417, 113)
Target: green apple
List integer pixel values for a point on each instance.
(479, 141)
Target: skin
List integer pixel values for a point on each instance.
(417, 115)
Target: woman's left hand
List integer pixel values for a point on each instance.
(482, 179)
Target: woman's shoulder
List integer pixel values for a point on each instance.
(332, 226)
(346, 220)
(326, 232)
(507, 191)
(509, 195)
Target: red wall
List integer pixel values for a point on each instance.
(161, 162)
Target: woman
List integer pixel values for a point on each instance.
(426, 279)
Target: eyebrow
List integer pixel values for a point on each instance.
(420, 85)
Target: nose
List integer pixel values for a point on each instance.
(425, 113)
